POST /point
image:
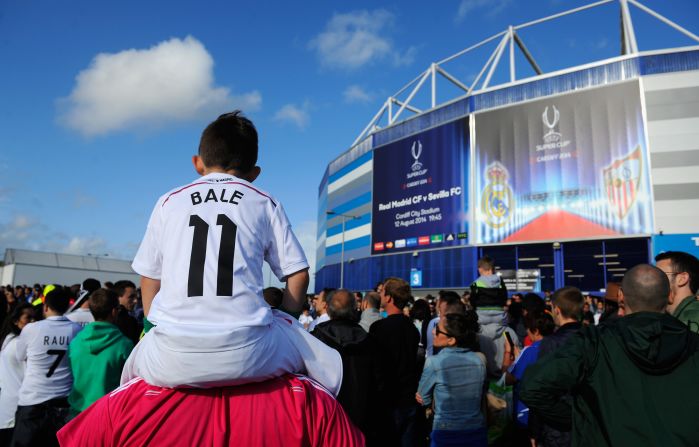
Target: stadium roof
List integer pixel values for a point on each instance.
(401, 105)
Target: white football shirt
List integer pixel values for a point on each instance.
(44, 346)
(206, 243)
(11, 373)
(81, 316)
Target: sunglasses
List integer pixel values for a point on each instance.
(438, 331)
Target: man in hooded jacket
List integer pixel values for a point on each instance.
(98, 353)
(629, 379)
(362, 379)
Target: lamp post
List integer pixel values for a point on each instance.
(342, 246)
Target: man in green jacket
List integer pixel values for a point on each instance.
(633, 382)
(682, 269)
(98, 353)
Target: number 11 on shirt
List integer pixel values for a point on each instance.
(226, 252)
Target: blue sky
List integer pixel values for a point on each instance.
(102, 103)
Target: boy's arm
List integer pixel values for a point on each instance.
(149, 288)
(295, 292)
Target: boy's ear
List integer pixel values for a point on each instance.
(253, 174)
(198, 164)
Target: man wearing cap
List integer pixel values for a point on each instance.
(80, 312)
(611, 303)
(682, 269)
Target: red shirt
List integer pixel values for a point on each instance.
(288, 411)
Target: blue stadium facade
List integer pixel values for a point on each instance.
(347, 184)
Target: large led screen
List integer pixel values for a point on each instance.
(420, 191)
(573, 166)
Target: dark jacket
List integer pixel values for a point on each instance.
(362, 378)
(398, 339)
(688, 313)
(128, 325)
(546, 435)
(633, 382)
(554, 341)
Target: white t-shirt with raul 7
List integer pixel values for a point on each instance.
(206, 243)
(44, 345)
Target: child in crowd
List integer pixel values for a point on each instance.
(201, 277)
(538, 326)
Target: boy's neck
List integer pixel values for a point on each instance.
(234, 172)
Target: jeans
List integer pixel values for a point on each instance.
(37, 425)
(404, 423)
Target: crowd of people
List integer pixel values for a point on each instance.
(201, 354)
(441, 370)
(474, 368)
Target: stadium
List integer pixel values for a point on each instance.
(565, 178)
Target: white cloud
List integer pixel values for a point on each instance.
(27, 232)
(495, 7)
(406, 58)
(356, 94)
(296, 115)
(357, 38)
(172, 81)
(84, 245)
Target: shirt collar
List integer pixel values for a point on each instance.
(218, 177)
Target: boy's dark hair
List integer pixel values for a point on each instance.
(569, 300)
(683, 262)
(464, 328)
(102, 303)
(57, 300)
(121, 286)
(486, 263)
(229, 143)
(398, 289)
(273, 296)
(541, 322)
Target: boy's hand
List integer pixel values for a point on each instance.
(295, 292)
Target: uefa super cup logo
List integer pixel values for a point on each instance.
(551, 136)
(416, 150)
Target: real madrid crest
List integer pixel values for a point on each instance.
(497, 200)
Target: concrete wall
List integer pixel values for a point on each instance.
(672, 109)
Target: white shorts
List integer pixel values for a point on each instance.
(171, 358)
